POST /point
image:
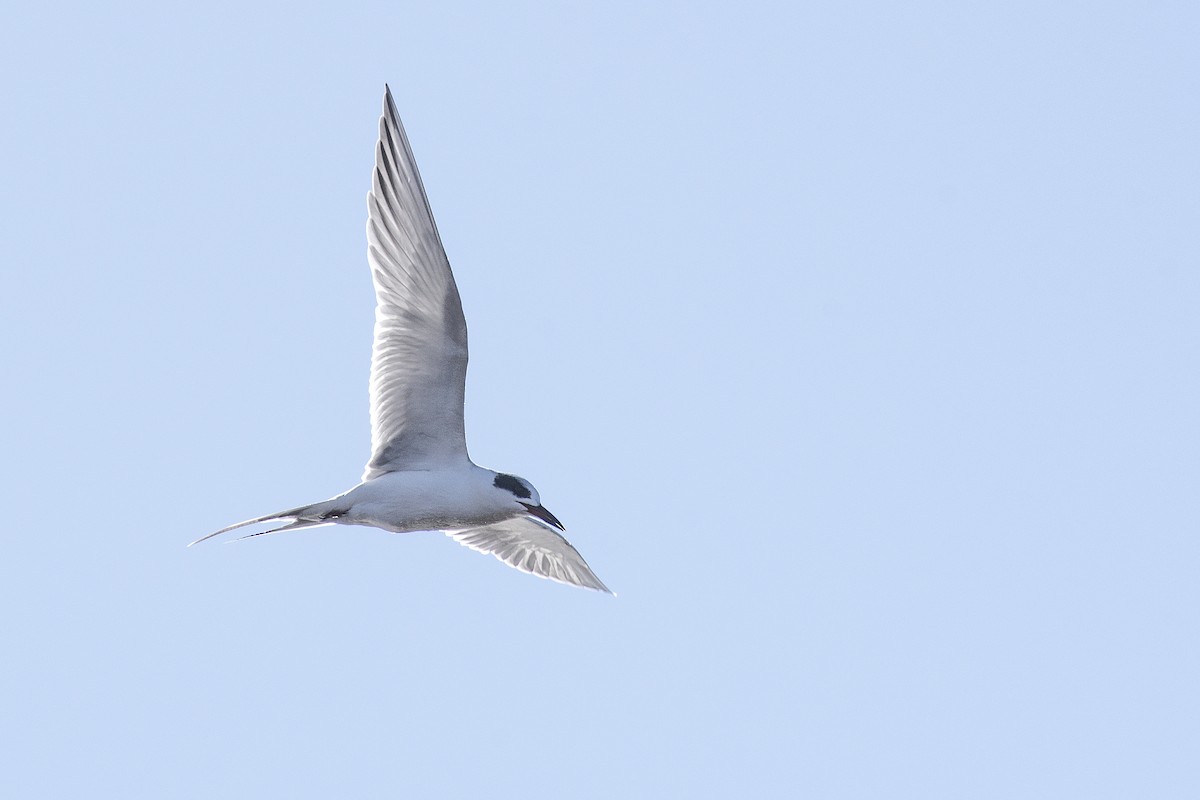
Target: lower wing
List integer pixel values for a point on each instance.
(531, 547)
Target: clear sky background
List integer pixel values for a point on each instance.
(855, 344)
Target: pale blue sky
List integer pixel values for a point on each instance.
(854, 343)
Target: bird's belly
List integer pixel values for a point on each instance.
(419, 503)
(408, 520)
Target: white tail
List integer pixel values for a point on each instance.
(302, 517)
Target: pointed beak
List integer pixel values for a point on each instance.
(545, 516)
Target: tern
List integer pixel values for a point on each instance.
(419, 477)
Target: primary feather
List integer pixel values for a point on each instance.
(419, 361)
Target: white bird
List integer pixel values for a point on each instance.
(419, 477)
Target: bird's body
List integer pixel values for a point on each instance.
(422, 500)
(419, 476)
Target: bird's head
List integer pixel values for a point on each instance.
(525, 498)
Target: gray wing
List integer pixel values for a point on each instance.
(419, 362)
(531, 547)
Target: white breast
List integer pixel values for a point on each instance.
(427, 500)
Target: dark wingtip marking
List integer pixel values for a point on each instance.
(511, 483)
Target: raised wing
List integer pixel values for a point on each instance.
(531, 547)
(419, 362)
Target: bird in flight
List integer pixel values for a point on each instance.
(419, 477)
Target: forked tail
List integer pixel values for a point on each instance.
(302, 517)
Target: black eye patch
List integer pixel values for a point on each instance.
(512, 484)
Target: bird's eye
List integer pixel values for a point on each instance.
(511, 483)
